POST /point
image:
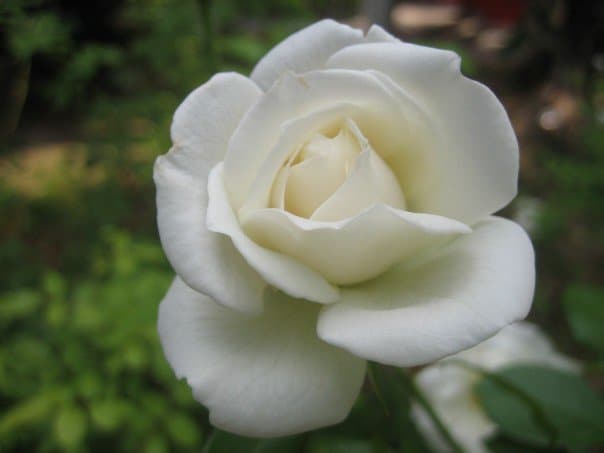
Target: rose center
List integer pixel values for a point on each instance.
(329, 178)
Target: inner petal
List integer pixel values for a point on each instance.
(268, 188)
(332, 177)
(370, 182)
(316, 171)
(319, 97)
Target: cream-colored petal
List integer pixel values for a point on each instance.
(354, 249)
(201, 129)
(382, 117)
(304, 50)
(378, 34)
(294, 134)
(280, 270)
(324, 167)
(206, 119)
(310, 183)
(476, 161)
(370, 182)
(278, 188)
(261, 376)
(456, 298)
(310, 48)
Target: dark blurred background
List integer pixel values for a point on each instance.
(87, 92)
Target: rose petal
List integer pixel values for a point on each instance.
(370, 182)
(304, 50)
(378, 34)
(478, 155)
(389, 124)
(207, 117)
(465, 293)
(281, 271)
(521, 342)
(354, 249)
(259, 376)
(310, 183)
(271, 177)
(201, 128)
(309, 49)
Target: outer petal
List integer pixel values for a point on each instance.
(305, 50)
(208, 116)
(259, 376)
(478, 154)
(282, 271)
(378, 34)
(201, 128)
(460, 296)
(310, 48)
(354, 249)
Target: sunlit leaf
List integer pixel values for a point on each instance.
(70, 426)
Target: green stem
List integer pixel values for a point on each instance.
(376, 388)
(421, 399)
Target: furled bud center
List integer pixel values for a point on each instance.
(330, 178)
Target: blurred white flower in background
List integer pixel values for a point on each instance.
(448, 385)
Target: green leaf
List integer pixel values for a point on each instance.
(70, 427)
(108, 414)
(584, 307)
(289, 444)
(55, 286)
(28, 412)
(89, 385)
(221, 442)
(135, 356)
(157, 444)
(501, 444)
(183, 430)
(39, 33)
(338, 444)
(559, 401)
(18, 305)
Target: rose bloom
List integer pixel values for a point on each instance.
(334, 208)
(448, 387)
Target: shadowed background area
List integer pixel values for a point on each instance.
(88, 90)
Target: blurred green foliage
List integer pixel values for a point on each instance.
(81, 368)
(81, 365)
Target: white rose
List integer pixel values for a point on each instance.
(334, 208)
(448, 387)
